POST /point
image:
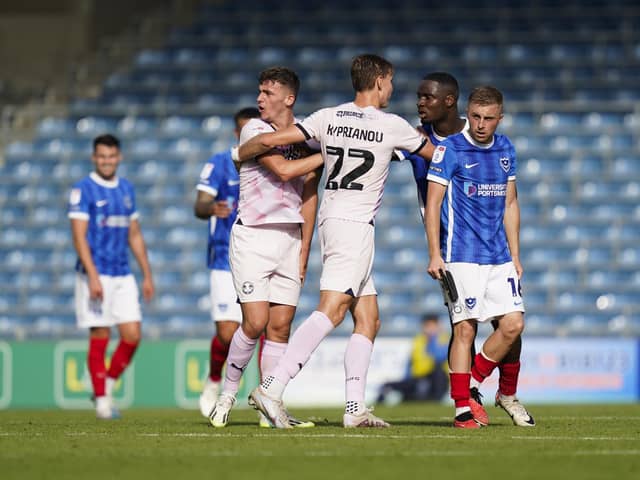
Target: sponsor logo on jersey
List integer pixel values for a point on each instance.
(128, 203)
(505, 163)
(206, 171)
(467, 165)
(75, 196)
(231, 183)
(485, 189)
(438, 154)
(116, 221)
(349, 113)
(101, 203)
(470, 189)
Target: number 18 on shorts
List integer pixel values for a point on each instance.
(485, 291)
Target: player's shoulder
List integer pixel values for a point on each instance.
(389, 117)
(258, 124)
(126, 184)
(83, 182)
(342, 110)
(254, 127)
(502, 141)
(220, 158)
(456, 140)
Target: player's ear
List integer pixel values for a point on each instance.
(290, 100)
(449, 100)
(379, 80)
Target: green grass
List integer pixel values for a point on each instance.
(581, 442)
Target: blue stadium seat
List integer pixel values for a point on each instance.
(625, 167)
(55, 126)
(94, 125)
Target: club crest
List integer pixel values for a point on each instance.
(505, 163)
(470, 302)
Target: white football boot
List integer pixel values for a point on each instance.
(220, 414)
(272, 408)
(208, 397)
(517, 412)
(366, 419)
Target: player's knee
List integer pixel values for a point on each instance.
(512, 326)
(132, 337)
(225, 338)
(464, 332)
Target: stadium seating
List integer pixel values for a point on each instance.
(569, 75)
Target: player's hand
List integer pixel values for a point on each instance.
(95, 288)
(303, 272)
(148, 289)
(435, 265)
(221, 209)
(518, 266)
(304, 263)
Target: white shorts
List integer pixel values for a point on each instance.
(224, 305)
(485, 291)
(120, 303)
(347, 257)
(265, 262)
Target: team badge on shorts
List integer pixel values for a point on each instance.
(247, 288)
(470, 302)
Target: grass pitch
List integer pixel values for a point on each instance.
(581, 442)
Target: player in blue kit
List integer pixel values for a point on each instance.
(437, 106)
(217, 201)
(438, 111)
(104, 225)
(472, 221)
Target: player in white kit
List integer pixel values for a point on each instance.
(357, 141)
(270, 241)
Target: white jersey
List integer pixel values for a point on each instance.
(357, 144)
(264, 198)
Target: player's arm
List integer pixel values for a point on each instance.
(308, 211)
(289, 169)
(512, 225)
(427, 149)
(266, 141)
(137, 245)
(79, 229)
(433, 204)
(206, 206)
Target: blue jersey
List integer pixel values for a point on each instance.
(219, 178)
(109, 206)
(472, 214)
(420, 166)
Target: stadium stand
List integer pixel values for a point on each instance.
(569, 73)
